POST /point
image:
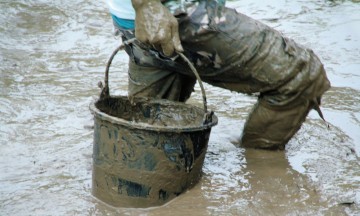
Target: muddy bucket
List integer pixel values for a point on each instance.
(146, 152)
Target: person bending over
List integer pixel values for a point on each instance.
(229, 50)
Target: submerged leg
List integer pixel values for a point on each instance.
(272, 127)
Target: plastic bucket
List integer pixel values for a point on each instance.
(146, 152)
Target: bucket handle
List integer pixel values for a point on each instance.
(105, 92)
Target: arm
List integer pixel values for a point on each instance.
(155, 25)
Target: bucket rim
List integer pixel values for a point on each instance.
(145, 126)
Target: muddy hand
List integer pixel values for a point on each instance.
(155, 25)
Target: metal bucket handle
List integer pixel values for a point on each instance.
(105, 92)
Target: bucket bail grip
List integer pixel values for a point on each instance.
(207, 115)
(105, 92)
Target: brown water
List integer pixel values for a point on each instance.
(52, 55)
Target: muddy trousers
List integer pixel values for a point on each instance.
(235, 52)
(272, 127)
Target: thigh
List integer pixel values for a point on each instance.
(153, 75)
(153, 82)
(233, 51)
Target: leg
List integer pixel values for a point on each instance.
(271, 126)
(154, 82)
(150, 76)
(233, 51)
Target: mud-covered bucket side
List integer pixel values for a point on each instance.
(141, 168)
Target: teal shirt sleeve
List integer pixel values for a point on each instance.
(123, 23)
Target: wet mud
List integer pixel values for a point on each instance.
(160, 115)
(53, 53)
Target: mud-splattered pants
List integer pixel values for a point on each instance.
(235, 52)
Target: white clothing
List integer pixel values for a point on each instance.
(121, 8)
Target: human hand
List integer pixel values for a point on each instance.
(155, 25)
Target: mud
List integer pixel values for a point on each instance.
(160, 30)
(159, 115)
(146, 153)
(53, 54)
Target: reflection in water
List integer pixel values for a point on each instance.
(52, 55)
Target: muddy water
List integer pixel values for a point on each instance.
(52, 55)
